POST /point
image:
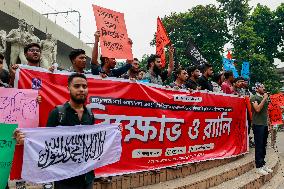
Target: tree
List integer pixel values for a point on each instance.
(237, 10)
(266, 27)
(257, 40)
(143, 62)
(206, 25)
(279, 19)
(245, 41)
(257, 36)
(259, 65)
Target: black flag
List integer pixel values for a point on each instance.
(194, 54)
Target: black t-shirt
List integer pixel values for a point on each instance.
(192, 84)
(164, 75)
(71, 119)
(4, 76)
(205, 84)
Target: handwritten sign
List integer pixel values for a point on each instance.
(275, 115)
(114, 39)
(49, 151)
(245, 70)
(19, 106)
(162, 40)
(7, 147)
(277, 99)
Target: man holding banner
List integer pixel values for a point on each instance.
(71, 113)
(207, 72)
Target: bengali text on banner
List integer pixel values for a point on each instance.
(160, 127)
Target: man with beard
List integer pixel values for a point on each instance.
(181, 77)
(32, 53)
(207, 72)
(107, 66)
(133, 71)
(238, 86)
(259, 103)
(155, 72)
(194, 74)
(245, 87)
(72, 113)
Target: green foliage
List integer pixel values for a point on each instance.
(257, 36)
(143, 62)
(262, 70)
(237, 10)
(266, 27)
(279, 20)
(206, 25)
(245, 41)
(257, 40)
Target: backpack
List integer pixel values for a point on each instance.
(62, 114)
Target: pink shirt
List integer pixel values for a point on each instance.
(227, 87)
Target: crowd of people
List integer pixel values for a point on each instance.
(195, 77)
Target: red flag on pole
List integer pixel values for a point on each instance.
(162, 40)
(229, 55)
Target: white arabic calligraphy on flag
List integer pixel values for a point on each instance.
(57, 153)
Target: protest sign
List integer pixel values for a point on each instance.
(114, 39)
(19, 106)
(161, 127)
(275, 115)
(7, 147)
(277, 99)
(245, 70)
(194, 53)
(229, 66)
(52, 154)
(274, 109)
(162, 40)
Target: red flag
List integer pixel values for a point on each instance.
(162, 40)
(229, 55)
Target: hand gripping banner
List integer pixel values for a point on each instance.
(160, 127)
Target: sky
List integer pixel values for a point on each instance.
(140, 16)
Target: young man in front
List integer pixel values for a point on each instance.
(75, 113)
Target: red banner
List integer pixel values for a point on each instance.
(162, 40)
(114, 39)
(161, 127)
